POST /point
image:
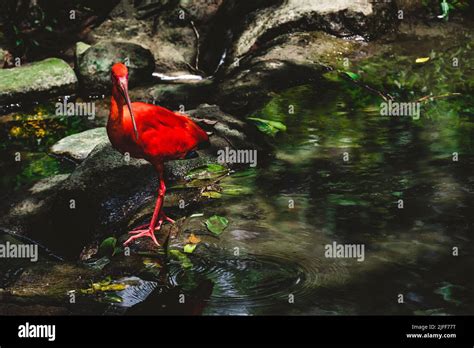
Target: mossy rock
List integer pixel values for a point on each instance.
(43, 79)
(95, 63)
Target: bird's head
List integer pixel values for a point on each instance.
(119, 77)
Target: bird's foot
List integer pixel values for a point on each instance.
(143, 233)
(163, 217)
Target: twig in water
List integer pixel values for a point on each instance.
(431, 97)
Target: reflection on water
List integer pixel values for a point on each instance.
(408, 250)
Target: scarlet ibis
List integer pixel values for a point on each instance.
(150, 132)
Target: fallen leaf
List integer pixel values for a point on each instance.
(193, 239)
(216, 224)
(422, 60)
(182, 258)
(108, 247)
(352, 75)
(211, 194)
(267, 126)
(189, 248)
(209, 171)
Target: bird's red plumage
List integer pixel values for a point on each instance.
(163, 135)
(150, 132)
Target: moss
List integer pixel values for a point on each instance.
(49, 77)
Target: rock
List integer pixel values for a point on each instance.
(107, 193)
(173, 47)
(242, 27)
(247, 89)
(95, 64)
(43, 79)
(164, 28)
(290, 59)
(201, 11)
(78, 146)
(81, 47)
(175, 96)
(228, 131)
(96, 201)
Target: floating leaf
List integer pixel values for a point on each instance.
(352, 75)
(193, 239)
(113, 298)
(211, 194)
(422, 60)
(268, 127)
(150, 263)
(183, 259)
(447, 292)
(104, 285)
(235, 190)
(208, 171)
(216, 224)
(189, 248)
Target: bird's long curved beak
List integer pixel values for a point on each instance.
(123, 84)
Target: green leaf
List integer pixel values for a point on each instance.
(446, 291)
(352, 75)
(113, 298)
(211, 194)
(268, 127)
(108, 247)
(208, 171)
(216, 224)
(189, 248)
(183, 259)
(235, 190)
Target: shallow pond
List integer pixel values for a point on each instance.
(341, 173)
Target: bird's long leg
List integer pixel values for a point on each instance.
(150, 232)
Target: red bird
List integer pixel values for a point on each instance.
(150, 132)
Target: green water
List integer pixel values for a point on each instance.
(339, 173)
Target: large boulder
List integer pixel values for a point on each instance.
(286, 60)
(43, 79)
(95, 63)
(163, 27)
(241, 27)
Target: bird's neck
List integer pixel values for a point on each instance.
(116, 105)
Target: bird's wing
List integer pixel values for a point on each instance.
(165, 133)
